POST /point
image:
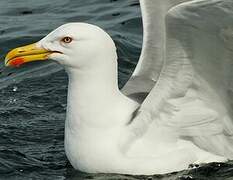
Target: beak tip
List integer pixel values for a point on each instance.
(28, 53)
(6, 62)
(15, 62)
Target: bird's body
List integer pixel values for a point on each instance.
(88, 131)
(174, 110)
(93, 138)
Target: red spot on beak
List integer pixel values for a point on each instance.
(17, 62)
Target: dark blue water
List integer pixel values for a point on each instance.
(33, 97)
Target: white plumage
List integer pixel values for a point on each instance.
(176, 109)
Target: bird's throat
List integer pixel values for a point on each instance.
(94, 100)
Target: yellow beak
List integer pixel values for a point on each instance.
(25, 54)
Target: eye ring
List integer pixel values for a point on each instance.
(67, 40)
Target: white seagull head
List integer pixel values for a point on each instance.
(74, 45)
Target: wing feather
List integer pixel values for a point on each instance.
(197, 67)
(151, 60)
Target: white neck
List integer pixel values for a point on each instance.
(94, 99)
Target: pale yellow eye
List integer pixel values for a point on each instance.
(67, 39)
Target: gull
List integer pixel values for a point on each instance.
(174, 111)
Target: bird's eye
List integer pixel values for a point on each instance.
(67, 39)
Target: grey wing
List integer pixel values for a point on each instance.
(151, 60)
(193, 86)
